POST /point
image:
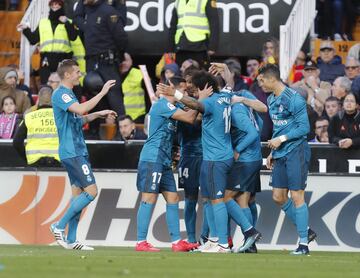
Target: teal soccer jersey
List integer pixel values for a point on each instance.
(289, 115)
(189, 139)
(216, 123)
(245, 133)
(69, 125)
(162, 129)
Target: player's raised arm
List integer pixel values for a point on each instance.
(83, 108)
(255, 104)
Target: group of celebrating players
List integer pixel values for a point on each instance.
(219, 135)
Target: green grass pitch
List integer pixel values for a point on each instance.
(18, 261)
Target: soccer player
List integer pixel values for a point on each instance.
(154, 170)
(69, 118)
(290, 155)
(189, 137)
(244, 178)
(217, 154)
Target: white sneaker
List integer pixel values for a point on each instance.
(217, 249)
(58, 234)
(79, 246)
(337, 37)
(209, 244)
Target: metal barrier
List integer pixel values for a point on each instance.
(37, 9)
(294, 32)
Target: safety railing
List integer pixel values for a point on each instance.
(294, 32)
(37, 9)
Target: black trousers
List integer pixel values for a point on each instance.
(49, 63)
(114, 99)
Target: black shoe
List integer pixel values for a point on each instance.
(252, 249)
(301, 250)
(311, 235)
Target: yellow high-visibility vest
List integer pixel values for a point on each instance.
(134, 100)
(78, 50)
(42, 136)
(192, 20)
(53, 42)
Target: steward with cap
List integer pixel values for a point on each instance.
(194, 30)
(40, 132)
(54, 35)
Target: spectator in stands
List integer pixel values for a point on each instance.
(270, 52)
(296, 73)
(8, 118)
(355, 88)
(352, 68)
(332, 107)
(317, 91)
(8, 80)
(133, 90)
(235, 69)
(170, 70)
(54, 80)
(321, 130)
(42, 141)
(19, 83)
(330, 65)
(340, 88)
(54, 35)
(128, 130)
(355, 51)
(344, 128)
(252, 66)
(194, 33)
(188, 63)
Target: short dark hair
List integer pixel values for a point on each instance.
(202, 77)
(270, 70)
(319, 119)
(332, 98)
(5, 98)
(190, 71)
(125, 117)
(65, 66)
(176, 80)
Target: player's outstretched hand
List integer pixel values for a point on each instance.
(269, 162)
(166, 90)
(274, 143)
(107, 86)
(108, 114)
(206, 92)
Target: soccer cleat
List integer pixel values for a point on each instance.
(252, 249)
(217, 249)
(194, 245)
(58, 234)
(203, 240)
(79, 246)
(230, 242)
(209, 244)
(301, 250)
(311, 235)
(182, 246)
(145, 246)
(248, 242)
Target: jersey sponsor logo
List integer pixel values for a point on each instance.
(66, 98)
(171, 106)
(171, 126)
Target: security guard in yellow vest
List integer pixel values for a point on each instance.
(134, 94)
(54, 35)
(39, 130)
(194, 30)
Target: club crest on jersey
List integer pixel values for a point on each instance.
(281, 108)
(66, 98)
